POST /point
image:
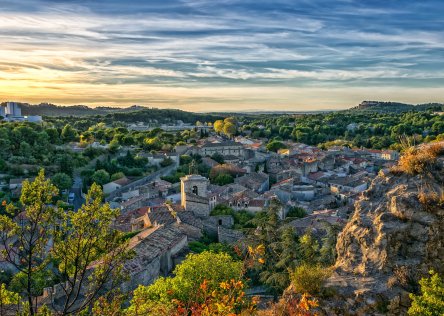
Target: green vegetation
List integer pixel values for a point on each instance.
(275, 145)
(431, 300)
(79, 240)
(309, 278)
(242, 218)
(62, 181)
(207, 267)
(371, 129)
(228, 126)
(297, 212)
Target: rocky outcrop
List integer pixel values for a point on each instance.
(394, 237)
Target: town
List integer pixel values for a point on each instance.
(180, 188)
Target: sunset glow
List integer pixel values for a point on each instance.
(221, 55)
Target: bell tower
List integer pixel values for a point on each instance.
(193, 189)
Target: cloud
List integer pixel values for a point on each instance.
(52, 48)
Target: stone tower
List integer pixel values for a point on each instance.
(194, 194)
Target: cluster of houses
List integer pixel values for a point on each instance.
(164, 217)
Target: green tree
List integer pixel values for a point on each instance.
(62, 181)
(309, 248)
(229, 129)
(275, 145)
(113, 146)
(69, 134)
(431, 300)
(29, 254)
(328, 248)
(223, 179)
(100, 177)
(117, 176)
(213, 268)
(9, 301)
(296, 211)
(89, 252)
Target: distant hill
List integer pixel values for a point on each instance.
(47, 109)
(380, 106)
(130, 114)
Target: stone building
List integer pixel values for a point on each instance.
(225, 148)
(194, 196)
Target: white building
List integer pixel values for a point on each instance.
(13, 109)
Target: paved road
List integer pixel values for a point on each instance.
(77, 190)
(151, 177)
(78, 185)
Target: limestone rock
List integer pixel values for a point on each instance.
(391, 241)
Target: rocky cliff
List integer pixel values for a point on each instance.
(394, 237)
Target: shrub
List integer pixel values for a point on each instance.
(419, 160)
(431, 300)
(296, 211)
(309, 278)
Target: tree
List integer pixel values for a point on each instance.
(62, 181)
(166, 162)
(280, 249)
(275, 145)
(223, 179)
(9, 301)
(117, 176)
(89, 252)
(309, 248)
(296, 211)
(69, 134)
(218, 157)
(431, 300)
(205, 268)
(328, 249)
(100, 177)
(114, 146)
(218, 126)
(229, 129)
(32, 232)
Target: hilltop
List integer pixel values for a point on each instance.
(382, 106)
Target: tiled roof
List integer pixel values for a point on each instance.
(224, 143)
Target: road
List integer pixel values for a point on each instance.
(151, 177)
(78, 185)
(77, 190)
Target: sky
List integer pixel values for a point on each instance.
(222, 55)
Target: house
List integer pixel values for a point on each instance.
(258, 182)
(224, 148)
(154, 216)
(155, 189)
(17, 183)
(347, 184)
(155, 252)
(115, 185)
(390, 155)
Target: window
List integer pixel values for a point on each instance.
(220, 222)
(195, 190)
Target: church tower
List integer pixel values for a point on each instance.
(193, 189)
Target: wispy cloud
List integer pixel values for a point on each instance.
(197, 52)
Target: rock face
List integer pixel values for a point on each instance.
(394, 238)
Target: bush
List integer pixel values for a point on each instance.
(309, 278)
(431, 300)
(418, 160)
(298, 212)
